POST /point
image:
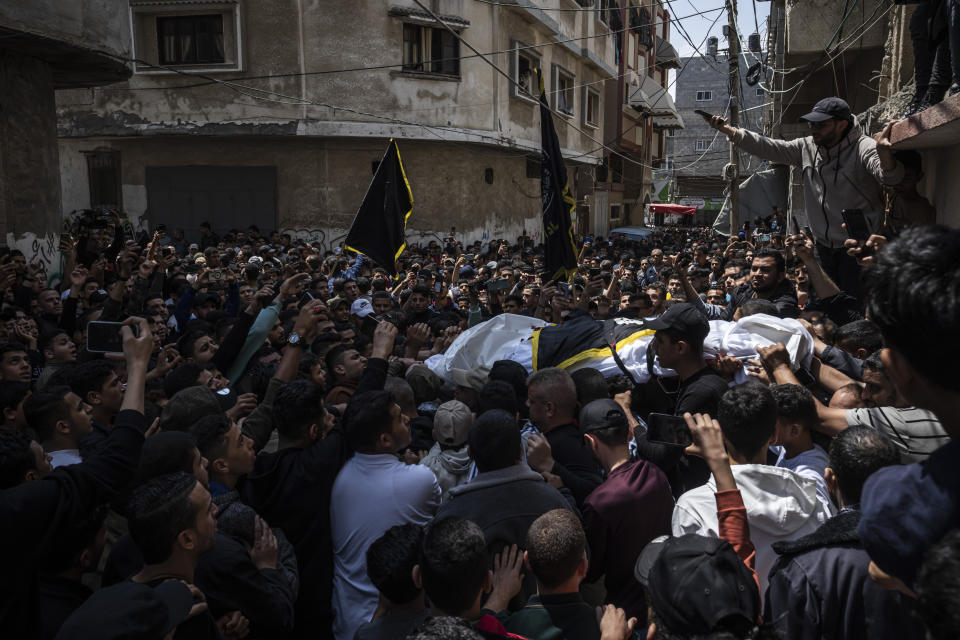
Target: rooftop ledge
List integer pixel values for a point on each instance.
(937, 126)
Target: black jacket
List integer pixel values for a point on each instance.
(230, 581)
(290, 489)
(784, 296)
(36, 514)
(573, 461)
(819, 587)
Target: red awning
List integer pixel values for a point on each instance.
(673, 208)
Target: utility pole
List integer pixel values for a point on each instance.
(733, 50)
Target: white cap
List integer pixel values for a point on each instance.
(361, 307)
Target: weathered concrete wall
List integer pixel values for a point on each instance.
(320, 183)
(812, 25)
(100, 25)
(29, 173)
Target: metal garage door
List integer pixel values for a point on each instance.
(226, 197)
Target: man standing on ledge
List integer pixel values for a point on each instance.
(842, 169)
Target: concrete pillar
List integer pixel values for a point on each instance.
(29, 168)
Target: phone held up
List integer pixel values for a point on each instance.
(105, 337)
(857, 228)
(667, 429)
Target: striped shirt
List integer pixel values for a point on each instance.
(916, 432)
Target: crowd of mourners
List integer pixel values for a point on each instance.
(269, 456)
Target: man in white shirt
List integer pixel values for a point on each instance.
(60, 419)
(373, 492)
(781, 504)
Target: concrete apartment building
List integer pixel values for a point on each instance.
(275, 113)
(696, 154)
(639, 115)
(45, 46)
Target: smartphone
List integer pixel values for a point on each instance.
(856, 224)
(469, 257)
(216, 274)
(706, 115)
(587, 239)
(105, 337)
(667, 429)
(593, 272)
(564, 289)
(857, 229)
(500, 284)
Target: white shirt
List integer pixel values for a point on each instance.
(64, 457)
(781, 505)
(371, 494)
(809, 464)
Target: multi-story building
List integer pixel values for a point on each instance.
(697, 154)
(46, 45)
(276, 113)
(639, 114)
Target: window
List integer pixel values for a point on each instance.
(591, 107)
(614, 212)
(533, 167)
(759, 92)
(616, 169)
(701, 145)
(190, 39)
(525, 68)
(640, 25)
(608, 13)
(430, 50)
(704, 96)
(103, 176)
(199, 34)
(562, 90)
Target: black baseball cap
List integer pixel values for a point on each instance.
(602, 414)
(130, 611)
(827, 109)
(683, 318)
(698, 585)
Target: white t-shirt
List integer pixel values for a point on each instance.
(64, 457)
(371, 494)
(809, 464)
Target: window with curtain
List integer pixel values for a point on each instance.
(190, 39)
(430, 50)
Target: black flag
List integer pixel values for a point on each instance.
(379, 228)
(558, 204)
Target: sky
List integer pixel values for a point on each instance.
(699, 27)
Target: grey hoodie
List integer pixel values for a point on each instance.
(845, 176)
(781, 505)
(451, 466)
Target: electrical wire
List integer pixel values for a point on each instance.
(396, 65)
(280, 98)
(667, 88)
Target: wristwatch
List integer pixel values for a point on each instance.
(294, 340)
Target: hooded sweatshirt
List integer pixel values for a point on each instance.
(845, 176)
(781, 505)
(451, 466)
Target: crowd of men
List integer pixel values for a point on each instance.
(269, 457)
(239, 438)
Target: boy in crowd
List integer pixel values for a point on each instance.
(793, 444)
